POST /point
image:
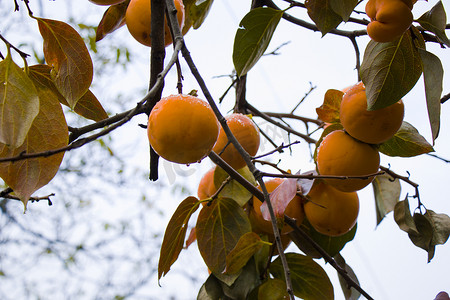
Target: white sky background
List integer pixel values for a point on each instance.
(386, 262)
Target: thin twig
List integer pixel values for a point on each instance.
(295, 117)
(312, 176)
(258, 113)
(445, 98)
(277, 149)
(407, 180)
(311, 88)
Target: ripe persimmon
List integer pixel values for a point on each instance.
(247, 135)
(293, 210)
(106, 2)
(389, 19)
(182, 128)
(330, 211)
(138, 20)
(372, 127)
(206, 187)
(341, 155)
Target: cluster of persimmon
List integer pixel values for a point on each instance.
(348, 158)
(138, 19)
(389, 18)
(184, 129)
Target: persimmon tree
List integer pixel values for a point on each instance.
(34, 137)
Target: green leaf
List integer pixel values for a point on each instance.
(247, 245)
(433, 228)
(343, 8)
(323, 15)
(273, 289)
(253, 37)
(219, 228)
(407, 142)
(423, 239)
(67, 54)
(403, 218)
(390, 70)
(197, 11)
(435, 21)
(387, 193)
(48, 132)
(248, 279)
(309, 279)
(433, 76)
(332, 245)
(175, 234)
(211, 289)
(329, 111)
(349, 292)
(19, 104)
(441, 226)
(233, 189)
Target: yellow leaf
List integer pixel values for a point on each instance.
(19, 103)
(48, 132)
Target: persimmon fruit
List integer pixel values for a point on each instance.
(293, 210)
(138, 20)
(182, 128)
(372, 127)
(330, 211)
(389, 19)
(206, 186)
(339, 154)
(247, 135)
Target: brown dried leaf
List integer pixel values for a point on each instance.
(113, 19)
(67, 54)
(329, 110)
(88, 106)
(48, 132)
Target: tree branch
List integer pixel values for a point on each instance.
(157, 56)
(117, 121)
(291, 222)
